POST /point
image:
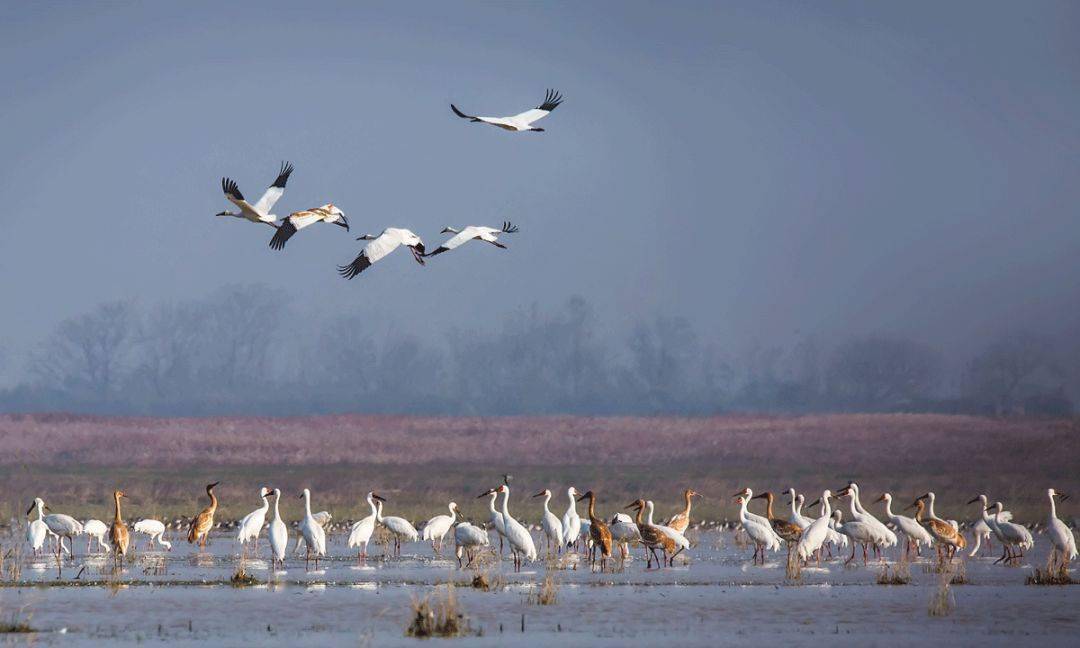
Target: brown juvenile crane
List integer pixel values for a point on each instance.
(945, 534)
(681, 520)
(118, 531)
(204, 521)
(652, 537)
(789, 532)
(599, 532)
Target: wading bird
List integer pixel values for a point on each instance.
(681, 543)
(551, 524)
(473, 232)
(297, 221)
(947, 537)
(260, 211)
(571, 521)
(155, 531)
(914, 533)
(399, 527)
(815, 535)
(598, 533)
(118, 532)
(361, 531)
(1061, 536)
(681, 520)
(278, 534)
(204, 521)
(251, 524)
(884, 537)
(1013, 535)
(495, 516)
(624, 530)
(313, 533)
(37, 530)
(651, 537)
(62, 526)
(467, 538)
(391, 239)
(522, 121)
(521, 543)
(759, 530)
(96, 531)
(436, 528)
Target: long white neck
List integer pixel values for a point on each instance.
(888, 507)
(378, 512)
(1053, 507)
(794, 511)
(491, 502)
(855, 500)
(277, 510)
(266, 504)
(826, 509)
(453, 515)
(547, 498)
(649, 508)
(572, 509)
(854, 509)
(798, 509)
(931, 509)
(371, 503)
(453, 230)
(506, 503)
(40, 511)
(307, 504)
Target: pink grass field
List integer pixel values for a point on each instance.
(428, 459)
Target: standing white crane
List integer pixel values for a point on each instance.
(885, 536)
(520, 122)
(467, 538)
(869, 533)
(95, 531)
(63, 526)
(312, 531)
(679, 539)
(436, 528)
(278, 534)
(155, 530)
(391, 239)
(624, 531)
(948, 537)
(860, 533)
(251, 524)
(37, 530)
(986, 520)
(1013, 535)
(471, 233)
(361, 531)
(1061, 536)
(495, 516)
(795, 517)
(761, 533)
(571, 521)
(833, 538)
(519, 538)
(551, 524)
(815, 535)
(914, 533)
(296, 221)
(260, 211)
(399, 527)
(748, 495)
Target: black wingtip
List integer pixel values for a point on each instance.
(229, 187)
(552, 99)
(282, 235)
(283, 175)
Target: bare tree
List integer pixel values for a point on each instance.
(88, 354)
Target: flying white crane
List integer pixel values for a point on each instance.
(467, 538)
(260, 211)
(312, 531)
(760, 532)
(278, 534)
(251, 524)
(571, 521)
(362, 530)
(296, 221)
(521, 542)
(96, 530)
(391, 239)
(522, 121)
(436, 528)
(1061, 536)
(551, 524)
(817, 533)
(471, 233)
(399, 527)
(916, 535)
(155, 531)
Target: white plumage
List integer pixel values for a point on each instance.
(815, 535)
(251, 524)
(260, 211)
(96, 531)
(522, 121)
(1060, 535)
(296, 221)
(521, 542)
(391, 239)
(761, 533)
(278, 533)
(436, 527)
(467, 538)
(473, 232)
(361, 531)
(571, 521)
(312, 532)
(550, 523)
(155, 530)
(399, 527)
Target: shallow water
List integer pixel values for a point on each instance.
(719, 597)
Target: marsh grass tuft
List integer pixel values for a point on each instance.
(241, 578)
(438, 615)
(899, 574)
(942, 601)
(488, 580)
(1056, 572)
(546, 592)
(15, 626)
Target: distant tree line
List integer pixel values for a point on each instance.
(240, 351)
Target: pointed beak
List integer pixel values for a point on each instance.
(342, 222)
(1063, 497)
(758, 496)
(581, 498)
(486, 493)
(971, 501)
(224, 213)
(378, 497)
(880, 499)
(32, 507)
(540, 494)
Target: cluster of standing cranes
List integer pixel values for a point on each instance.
(391, 238)
(805, 537)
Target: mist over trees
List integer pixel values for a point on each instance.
(244, 350)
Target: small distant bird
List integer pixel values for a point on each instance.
(522, 121)
(260, 211)
(204, 521)
(473, 232)
(391, 239)
(296, 221)
(118, 532)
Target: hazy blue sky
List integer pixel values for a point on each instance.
(757, 167)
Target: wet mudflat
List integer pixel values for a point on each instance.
(182, 596)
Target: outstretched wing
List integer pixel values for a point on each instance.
(509, 227)
(466, 234)
(463, 115)
(384, 244)
(232, 193)
(282, 235)
(273, 193)
(551, 101)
